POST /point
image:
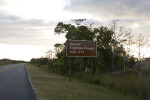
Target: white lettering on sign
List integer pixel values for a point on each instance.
(75, 44)
(88, 48)
(81, 48)
(76, 48)
(72, 51)
(81, 52)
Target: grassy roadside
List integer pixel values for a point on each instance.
(7, 64)
(4, 64)
(50, 86)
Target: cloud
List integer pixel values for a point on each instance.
(130, 12)
(2, 2)
(111, 8)
(2, 5)
(15, 30)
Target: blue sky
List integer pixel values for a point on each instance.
(26, 26)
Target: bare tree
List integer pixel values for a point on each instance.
(141, 41)
(78, 21)
(113, 27)
(130, 41)
(121, 37)
(49, 54)
(118, 38)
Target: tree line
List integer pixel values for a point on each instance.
(111, 52)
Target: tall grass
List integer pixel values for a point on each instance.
(128, 83)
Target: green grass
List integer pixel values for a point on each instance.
(51, 86)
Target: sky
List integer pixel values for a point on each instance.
(27, 26)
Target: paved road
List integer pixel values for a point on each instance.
(14, 83)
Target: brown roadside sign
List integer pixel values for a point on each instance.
(81, 48)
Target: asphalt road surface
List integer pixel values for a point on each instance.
(14, 83)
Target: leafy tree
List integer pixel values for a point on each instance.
(58, 49)
(39, 61)
(60, 65)
(105, 40)
(74, 33)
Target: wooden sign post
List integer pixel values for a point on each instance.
(91, 70)
(69, 69)
(81, 48)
